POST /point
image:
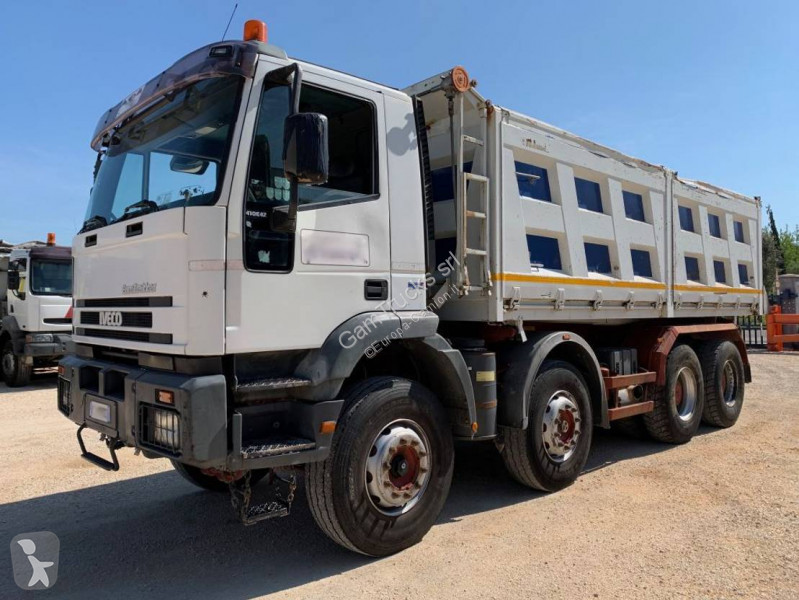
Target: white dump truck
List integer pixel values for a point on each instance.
(35, 308)
(287, 268)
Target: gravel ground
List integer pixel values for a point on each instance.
(716, 518)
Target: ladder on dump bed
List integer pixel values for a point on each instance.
(455, 84)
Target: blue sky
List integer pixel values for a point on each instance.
(709, 88)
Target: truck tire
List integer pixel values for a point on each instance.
(389, 470)
(207, 482)
(724, 383)
(15, 373)
(550, 454)
(678, 404)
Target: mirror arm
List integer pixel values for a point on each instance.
(282, 75)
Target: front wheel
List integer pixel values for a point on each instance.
(389, 470)
(552, 451)
(15, 373)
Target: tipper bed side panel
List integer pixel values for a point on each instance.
(583, 233)
(592, 235)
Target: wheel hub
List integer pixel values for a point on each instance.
(729, 384)
(561, 427)
(398, 468)
(685, 393)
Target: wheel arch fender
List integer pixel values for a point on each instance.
(9, 330)
(328, 366)
(521, 363)
(446, 374)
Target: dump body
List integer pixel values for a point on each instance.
(581, 232)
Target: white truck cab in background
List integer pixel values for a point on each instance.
(35, 308)
(283, 266)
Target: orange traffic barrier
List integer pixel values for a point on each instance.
(774, 322)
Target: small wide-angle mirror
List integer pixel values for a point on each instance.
(305, 149)
(188, 164)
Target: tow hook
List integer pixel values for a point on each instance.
(113, 445)
(241, 495)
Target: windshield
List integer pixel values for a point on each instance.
(51, 278)
(172, 155)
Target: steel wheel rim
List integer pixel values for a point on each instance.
(398, 467)
(729, 384)
(561, 426)
(685, 393)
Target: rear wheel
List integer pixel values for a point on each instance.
(552, 451)
(15, 373)
(389, 469)
(724, 383)
(678, 404)
(196, 476)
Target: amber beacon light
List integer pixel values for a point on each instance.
(255, 30)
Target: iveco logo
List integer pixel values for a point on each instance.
(110, 318)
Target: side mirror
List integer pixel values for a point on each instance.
(13, 280)
(305, 149)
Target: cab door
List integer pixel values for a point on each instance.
(290, 291)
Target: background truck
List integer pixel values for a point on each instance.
(283, 265)
(35, 308)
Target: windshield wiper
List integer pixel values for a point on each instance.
(93, 223)
(142, 207)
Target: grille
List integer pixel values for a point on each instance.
(64, 389)
(129, 319)
(159, 428)
(131, 336)
(153, 301)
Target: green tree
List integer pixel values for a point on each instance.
(770, 253)
(789, 244)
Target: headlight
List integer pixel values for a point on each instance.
(39, 338)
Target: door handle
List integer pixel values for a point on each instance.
(375, 289)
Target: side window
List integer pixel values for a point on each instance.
(352, 169)
(351, 131)
(267, 188)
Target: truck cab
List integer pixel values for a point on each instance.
(36, 308)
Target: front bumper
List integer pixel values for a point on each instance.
(60, 345)
(198, 428)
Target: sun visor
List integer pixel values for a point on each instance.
(214, 60)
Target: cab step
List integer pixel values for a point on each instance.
(268, 385)
(277, 446)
